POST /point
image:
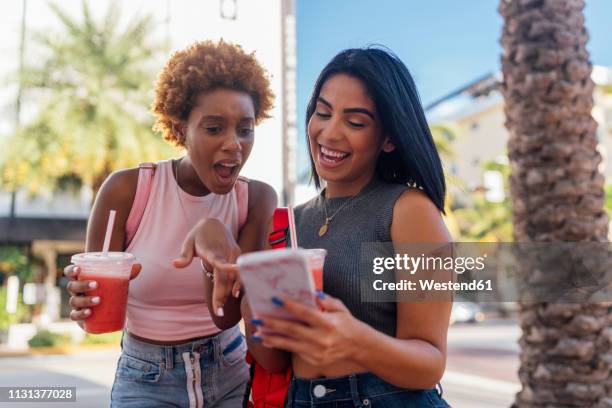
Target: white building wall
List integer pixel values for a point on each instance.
(483, 135)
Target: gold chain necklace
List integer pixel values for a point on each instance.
(328, 220)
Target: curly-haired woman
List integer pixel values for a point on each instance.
(176, 350)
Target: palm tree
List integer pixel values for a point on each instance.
(557, 194)
(94, 85)
(443, 135)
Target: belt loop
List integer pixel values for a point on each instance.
(353, 384)
(290, 392)
(440, 390)
(216, 345)
(169, 357)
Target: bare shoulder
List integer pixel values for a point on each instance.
(120, 187)
(261, 193)
(117, 193)
(417, 219)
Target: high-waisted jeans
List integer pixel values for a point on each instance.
(359, 390)
(211, 372)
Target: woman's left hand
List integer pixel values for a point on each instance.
(324, 336)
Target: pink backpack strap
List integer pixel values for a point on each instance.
(143, 189)
(242, 197)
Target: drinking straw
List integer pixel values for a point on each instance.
(109, 231)
(292, 231)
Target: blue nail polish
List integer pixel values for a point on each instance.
(321, 295)
(257, 322)
(256, 338)
(277, 301)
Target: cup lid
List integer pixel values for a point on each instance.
(103, 257)
(316, 251)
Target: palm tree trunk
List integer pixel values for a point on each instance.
(557, 194)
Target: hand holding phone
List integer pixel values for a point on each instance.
(276, 273)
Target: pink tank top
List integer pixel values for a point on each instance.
(165, 303)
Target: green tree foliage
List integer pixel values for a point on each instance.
(106, 338)
(46, 338)
(14, 262)
(23, 312)
(443, 135)
(92, 86)
(486, 221)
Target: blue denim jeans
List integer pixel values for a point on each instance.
(211, 372)
(359, 390)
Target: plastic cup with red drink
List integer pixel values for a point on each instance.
(111, 270)
(316, 260)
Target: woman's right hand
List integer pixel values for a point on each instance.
(214, 244)
(80, 302)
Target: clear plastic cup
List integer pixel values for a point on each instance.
(112, 272)
(316, 260)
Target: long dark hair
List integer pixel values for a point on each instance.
(415, 160)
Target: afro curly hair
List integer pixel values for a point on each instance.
(205, 66)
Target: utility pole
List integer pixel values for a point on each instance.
(19, 93)
(289, 104)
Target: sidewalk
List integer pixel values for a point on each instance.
(6, 352)
(481, 367)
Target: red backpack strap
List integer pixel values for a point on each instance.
(279, 236)
(146, 171)
(269, 390)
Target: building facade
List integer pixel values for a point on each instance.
(477, 111)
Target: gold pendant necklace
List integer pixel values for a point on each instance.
(325, 227)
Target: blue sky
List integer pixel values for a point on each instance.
(444, 43)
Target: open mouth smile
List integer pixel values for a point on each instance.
(330, 157)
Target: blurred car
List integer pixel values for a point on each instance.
(466, 312)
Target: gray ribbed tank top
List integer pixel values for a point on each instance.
(366, 219)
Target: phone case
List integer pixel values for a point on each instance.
(276, 272)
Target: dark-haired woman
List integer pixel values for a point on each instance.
(371, 145)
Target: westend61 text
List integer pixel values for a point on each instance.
(406, 285)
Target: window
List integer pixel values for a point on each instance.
(228, 9)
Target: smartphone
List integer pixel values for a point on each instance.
(277, 272)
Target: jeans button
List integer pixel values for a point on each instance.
(319, 391)
(366, 402)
